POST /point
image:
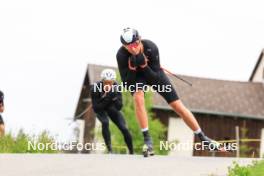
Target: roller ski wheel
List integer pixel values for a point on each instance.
(221, 148)
(216, 147)
(147, 151)
(211, 145)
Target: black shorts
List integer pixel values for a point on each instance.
(1, 120)
(162, 85)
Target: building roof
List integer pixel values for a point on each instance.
(212, 96)
(256, 66)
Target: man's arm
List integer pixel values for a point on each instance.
(98, 102)
(118, 102)
(152, 68)
(127, 75)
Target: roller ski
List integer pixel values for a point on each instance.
(147, 151)
(211, 145)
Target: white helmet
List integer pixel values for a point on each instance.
(129, 36)
(108, 74)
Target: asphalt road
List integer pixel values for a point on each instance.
(112, 165)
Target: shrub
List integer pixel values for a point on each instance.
(254, 169)
(20, 142)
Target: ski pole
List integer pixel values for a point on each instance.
(86, 110)
(176, 76)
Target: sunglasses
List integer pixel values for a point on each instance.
(133, 45)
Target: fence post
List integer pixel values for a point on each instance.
(237, 141)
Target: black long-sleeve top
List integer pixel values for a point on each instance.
(150, 72)
(102, 101)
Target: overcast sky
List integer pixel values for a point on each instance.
(45, 47)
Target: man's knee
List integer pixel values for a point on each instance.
(103, 119)
(179, 107)
(122, 125)
(139, 98)
(105, 124)
(124, 129)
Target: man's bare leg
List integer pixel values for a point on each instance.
(191, 121)
(185, 114)
(141, 113)
(142, 117)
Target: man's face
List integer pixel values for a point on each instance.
(134, 48)
(107, 85)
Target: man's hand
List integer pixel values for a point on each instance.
(131, 63)
(111, 94)
(138, 60)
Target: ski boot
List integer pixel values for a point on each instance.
(210, 144)
(147, 149)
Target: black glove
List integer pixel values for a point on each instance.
(140, 60)
(137, 60)
(112, 94)
(132, 61)
(106, 99)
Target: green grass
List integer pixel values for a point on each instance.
(255, 169)
(20, 143)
